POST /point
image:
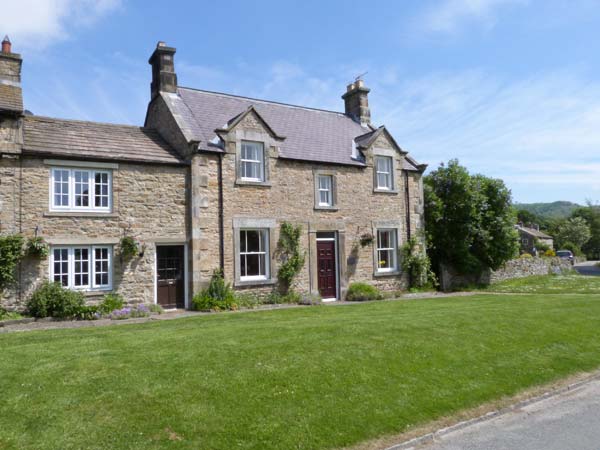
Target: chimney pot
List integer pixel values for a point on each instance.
(6, 45)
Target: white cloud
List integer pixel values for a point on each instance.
(450, 15)
(35, 24)
(540, 133)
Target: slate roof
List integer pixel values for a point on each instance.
(11, 98)
(534, 232)
(308, 134)
(93, 140)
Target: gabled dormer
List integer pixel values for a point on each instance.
(254, 143)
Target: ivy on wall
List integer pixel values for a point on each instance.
(11, 252)
(292, 258)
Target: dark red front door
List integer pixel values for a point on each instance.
(170, 277)
(327, 268)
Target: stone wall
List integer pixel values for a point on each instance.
(289, 196)
(515, 268)
(526, 267)
(149, 203)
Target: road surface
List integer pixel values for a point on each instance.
(568, 421)
(588, 268)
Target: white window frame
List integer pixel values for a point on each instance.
(393, 249)
(71, 207)
(263, 250)
(260, 161)
(328, 190)
(389, 174)
(92, 285)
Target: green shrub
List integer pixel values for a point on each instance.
(525, 256)
(110, 302)
(549, 253)
(310, 299)
(88, 312)
(154, 308)
(276, 298)
(9, 315)
(361, 292)
(248, 300)
(217, 296)
(573, 247)
(53, 300)
(11, 252)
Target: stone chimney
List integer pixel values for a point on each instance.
(11, 100)
(356, 102)
(164, 78)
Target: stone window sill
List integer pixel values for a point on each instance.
(96, 293)
(253, 183)
(326, 208)
(241, 283)
(80, 214)
(385, 191)
(395, 273)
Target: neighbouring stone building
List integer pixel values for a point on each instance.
(530, 238)
(205, 185)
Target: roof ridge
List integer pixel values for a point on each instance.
(339, 113)
(58, 119)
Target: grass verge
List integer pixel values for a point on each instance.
(310, 378)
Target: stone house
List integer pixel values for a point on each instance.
(530, 236)
(205, 184)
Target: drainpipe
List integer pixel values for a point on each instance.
(221, 220)
(407, 202)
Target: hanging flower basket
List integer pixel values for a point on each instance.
(37, 247)
(366, 239)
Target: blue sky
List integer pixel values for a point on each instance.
(510, 87)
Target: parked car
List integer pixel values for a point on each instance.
(566, 254)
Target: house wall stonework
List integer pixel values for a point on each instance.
(289, 196)
(149, 203)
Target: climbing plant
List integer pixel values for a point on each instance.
(416, 263)
(292, 257)
(11, 252)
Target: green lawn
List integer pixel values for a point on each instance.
(549, 284)
(310, 378)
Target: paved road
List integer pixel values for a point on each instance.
(588, 268)
(570, 421)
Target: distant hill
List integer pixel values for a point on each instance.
(554, 210)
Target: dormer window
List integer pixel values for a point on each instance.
(252, 161)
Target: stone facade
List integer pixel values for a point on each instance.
(149, 204)
(288, 195)
(200, 200)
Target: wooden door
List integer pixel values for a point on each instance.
(327, 269)
(170, 276)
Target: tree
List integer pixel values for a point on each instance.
(575, 230)
(469, 220)
(591, 214)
